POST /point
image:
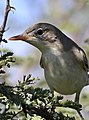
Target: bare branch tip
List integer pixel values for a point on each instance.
(12, 7)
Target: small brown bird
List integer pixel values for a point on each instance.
(65, 64)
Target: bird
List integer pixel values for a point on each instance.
(64, 62)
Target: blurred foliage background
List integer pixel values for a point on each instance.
(71, 16)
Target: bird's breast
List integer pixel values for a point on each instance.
(62, 73)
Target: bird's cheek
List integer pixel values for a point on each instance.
(32, 41)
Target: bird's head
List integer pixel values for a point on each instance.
(41, 35)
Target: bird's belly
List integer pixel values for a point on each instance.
(65, 84)
(63, 73)
(65, 79)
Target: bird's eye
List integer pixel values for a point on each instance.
(39, 31)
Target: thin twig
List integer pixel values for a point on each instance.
(80, 115)
(7, 10)
(16, 114)
(2, 28)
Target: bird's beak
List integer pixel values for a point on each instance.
(20, 37)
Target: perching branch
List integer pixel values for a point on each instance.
(32, 101)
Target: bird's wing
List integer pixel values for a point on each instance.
(85, 60)
(81, 57)
(41, 63)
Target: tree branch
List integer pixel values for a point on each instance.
(7, 10)
(4, 58)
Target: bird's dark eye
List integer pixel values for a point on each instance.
(39, 31)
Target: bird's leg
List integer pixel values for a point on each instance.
(77, 101)
(77, 97)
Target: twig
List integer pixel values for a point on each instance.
(7, 10)
(6, 16)
(80, 115)
(16, 114)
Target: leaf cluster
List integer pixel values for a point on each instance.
(26, 101)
